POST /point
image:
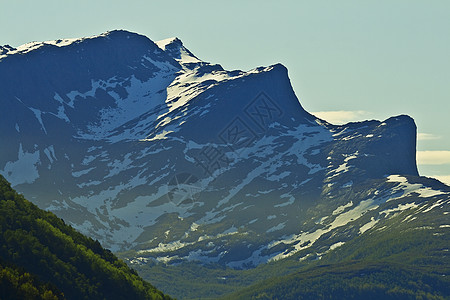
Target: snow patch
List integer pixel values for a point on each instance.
(50, 153)
(368, 225)
(409, 188)
(341, 208)
(306, 239)
(289, 202)
(82, 172)
(336, 245)
(398, 209)
(38, 114)
(165, 247)
(24, 169)
(277, 227)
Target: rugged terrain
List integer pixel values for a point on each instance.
(174, 161)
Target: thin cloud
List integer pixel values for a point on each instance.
(433, 157)
(340, 117)
(427, 136)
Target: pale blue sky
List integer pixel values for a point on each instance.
(369, 59)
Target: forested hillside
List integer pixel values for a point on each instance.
(352, 280)
(43, 258)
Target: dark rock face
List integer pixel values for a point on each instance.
(142, 145)
(389, 146)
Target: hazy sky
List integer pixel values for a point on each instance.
(347, 60)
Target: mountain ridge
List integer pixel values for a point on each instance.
(277, 102)
(177, 161)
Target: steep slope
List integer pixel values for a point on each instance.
(62, 262)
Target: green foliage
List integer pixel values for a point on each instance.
(40, 243)
(18, 284)
(195, 281)
(352, 280)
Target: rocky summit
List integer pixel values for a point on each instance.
(146, 147)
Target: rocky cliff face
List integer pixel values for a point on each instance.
(145, 146)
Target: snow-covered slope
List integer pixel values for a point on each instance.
(143, 145)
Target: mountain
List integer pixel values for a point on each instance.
(43, 258)
(180, 165)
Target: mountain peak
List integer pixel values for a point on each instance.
(113, 35)
(170, 41)
(119, 34)
(174, 47)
